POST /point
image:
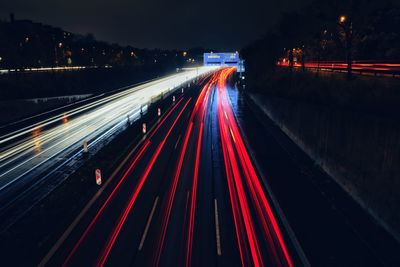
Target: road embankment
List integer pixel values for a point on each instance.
(358, 148)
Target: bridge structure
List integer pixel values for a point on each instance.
(224, 59)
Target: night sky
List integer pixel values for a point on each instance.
(218, 24)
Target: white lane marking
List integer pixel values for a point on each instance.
(217, 232)
(146, 229)
(177, 142)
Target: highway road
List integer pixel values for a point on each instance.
(32, 153)
(188, 196)
(213, 182)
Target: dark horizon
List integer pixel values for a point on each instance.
(229, 26)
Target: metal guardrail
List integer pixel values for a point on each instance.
(358, 67)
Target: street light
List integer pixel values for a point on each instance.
(347, 29)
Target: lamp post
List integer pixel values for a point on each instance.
(347, 26)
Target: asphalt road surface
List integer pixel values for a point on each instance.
(215, 183)
(189, 197)
(39, 153)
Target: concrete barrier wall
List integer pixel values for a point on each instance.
(361, 152)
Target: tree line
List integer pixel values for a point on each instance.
(342, 30)
(24, 44)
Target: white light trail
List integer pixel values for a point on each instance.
(35, 145)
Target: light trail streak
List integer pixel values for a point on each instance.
(172, 190)
(367, 66)
(193, 198)
(231, 162)
(112, 238)
(87, 122)
(192, 207)
(115, 190)
(92, 223)
(227, 124)
(243, 250)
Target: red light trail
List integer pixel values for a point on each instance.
(358, 66)
(196, 176)
(137, 157)
(122, 219)
(200, 101)
(228, 128)
(254, 223)
(125, 175)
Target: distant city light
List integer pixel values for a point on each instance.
(184, 53)
(60, 45)
(342, 19)
(26, 39)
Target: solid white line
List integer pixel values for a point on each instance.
(217, 232)
(146, 229)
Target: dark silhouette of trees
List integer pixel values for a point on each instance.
(24, 43)
(342, 30)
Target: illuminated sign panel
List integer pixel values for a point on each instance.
(224, 59)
